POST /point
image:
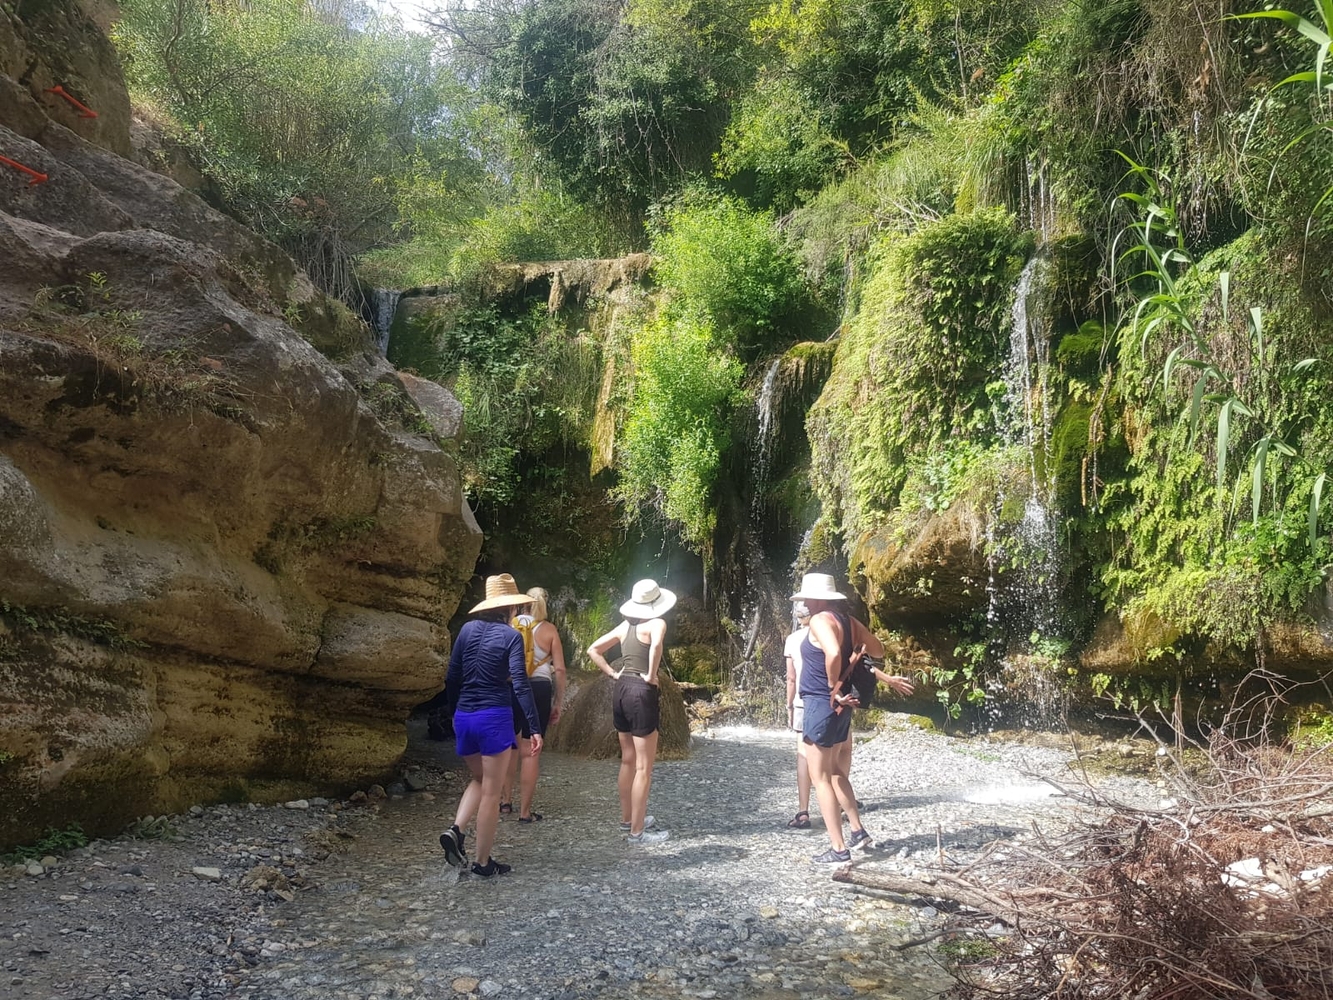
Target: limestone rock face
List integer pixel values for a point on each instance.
(930, 569)
(586, 727)
(226, 563)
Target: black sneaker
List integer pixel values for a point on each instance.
(859, 839)
(832, 857)
(490, 868)
(452, 842)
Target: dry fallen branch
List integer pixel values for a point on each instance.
(1223, 893)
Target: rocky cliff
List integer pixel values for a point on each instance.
(226, 561)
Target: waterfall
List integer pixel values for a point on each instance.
(1024, 533)
(383, 303)
(765, 405)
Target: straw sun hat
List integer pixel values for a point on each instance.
(501, 592)
(818, 587)
(647, 600)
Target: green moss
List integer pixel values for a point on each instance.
(1068, 448)
(913, 367)
(1079, 354)
(62, 621)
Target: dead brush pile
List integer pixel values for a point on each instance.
(1223, 892)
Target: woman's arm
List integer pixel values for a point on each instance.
(656, 643)
(557, 649)
(601, 645)
(453, 680)
(791, 689)
(902, 685)
(824, 634)
(862, 636)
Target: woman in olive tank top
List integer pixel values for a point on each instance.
(635, 701)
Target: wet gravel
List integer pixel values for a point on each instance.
(352, 900)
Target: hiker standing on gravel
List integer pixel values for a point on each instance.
(635, 701)
(486, 669)
(547, 678)
(796, 714)
(827, 659)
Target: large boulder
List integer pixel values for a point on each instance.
(586, 728)
(227, 563)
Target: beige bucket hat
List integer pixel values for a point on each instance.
(818, 587)
(648, 600)
(501, 592)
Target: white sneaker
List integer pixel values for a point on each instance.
(650, 837)
(647, 824)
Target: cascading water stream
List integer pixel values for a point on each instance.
(765, 405)
(383, 306)
(1024, 533)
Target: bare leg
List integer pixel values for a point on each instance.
(528, 769)
(645, 752)
(493, 770)
(625, 780)
(821, 777)
(802, 778)
(507, 789)
(840, 771)
(467, 805)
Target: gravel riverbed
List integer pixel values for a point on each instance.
(353, 901)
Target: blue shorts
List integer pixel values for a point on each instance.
(487, 731)
(822, 726)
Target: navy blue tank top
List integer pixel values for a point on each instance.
(814, 672)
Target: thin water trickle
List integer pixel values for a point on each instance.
(383, 306)
(763, 439)
(1022, 613)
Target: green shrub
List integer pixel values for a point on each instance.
(677, 424)
(53, 841)
(729, 266)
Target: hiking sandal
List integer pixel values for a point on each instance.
(801, 821)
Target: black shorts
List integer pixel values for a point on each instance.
(822, 726)
(635, 705)
(542, 692)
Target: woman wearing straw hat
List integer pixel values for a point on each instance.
(826, 667)
(548, 689)
(635, 701)
(485, 666)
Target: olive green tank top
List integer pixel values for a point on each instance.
(633, 653)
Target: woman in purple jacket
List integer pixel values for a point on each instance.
(485, 667)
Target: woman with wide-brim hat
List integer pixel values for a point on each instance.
(835, 639)
(487, 668)
(635, 701)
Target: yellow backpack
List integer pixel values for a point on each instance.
(526, 625)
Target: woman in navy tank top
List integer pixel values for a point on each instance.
(826, 656)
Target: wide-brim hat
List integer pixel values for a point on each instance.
(501, 592)
(818, 587)
(648, 600)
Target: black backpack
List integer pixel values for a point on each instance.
(861, 682)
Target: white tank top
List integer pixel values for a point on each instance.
(542, 657)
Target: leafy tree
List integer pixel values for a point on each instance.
(624, 100)
(312, 118)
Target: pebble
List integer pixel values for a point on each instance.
(729, 906)
(297, 804)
